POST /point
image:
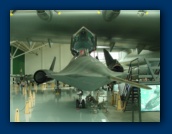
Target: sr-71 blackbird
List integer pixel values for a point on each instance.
(84, 72)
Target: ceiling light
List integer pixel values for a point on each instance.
(141, 13)
(58, 12)
(11, 14)
(103, 47)
(98, 12)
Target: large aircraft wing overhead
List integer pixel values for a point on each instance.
(49, 26)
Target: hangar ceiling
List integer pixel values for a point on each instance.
(116, 30)
(26, 48)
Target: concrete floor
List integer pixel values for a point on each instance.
(49, 107)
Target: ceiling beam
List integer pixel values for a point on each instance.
(29, 42)
(15, 50)
(33, 45)
(25, 45)
(29, 51)
(11, 42)
(49, 42)
(16, 45)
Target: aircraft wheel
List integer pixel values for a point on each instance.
(83, 103)
(77, 103)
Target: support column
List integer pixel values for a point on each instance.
(60, 57)
(42, 59)
(139, 105)
(11, 70)
(11, 66)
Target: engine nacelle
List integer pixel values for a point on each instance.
(116, 66)
(109, 15)
(111, 63)
(40, 76)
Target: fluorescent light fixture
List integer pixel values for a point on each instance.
(103, 120)
(103, 47)
(11, 14)
(98, 12)
(59, 13)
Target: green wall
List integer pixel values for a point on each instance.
(19, 62)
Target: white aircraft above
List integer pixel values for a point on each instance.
(117, 29)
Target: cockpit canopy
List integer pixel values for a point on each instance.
(83, 39)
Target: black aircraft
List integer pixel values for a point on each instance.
(84, 72)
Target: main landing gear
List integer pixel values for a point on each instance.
(80, 103)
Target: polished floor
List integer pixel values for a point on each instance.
(50, 107)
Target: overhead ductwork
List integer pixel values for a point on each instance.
(109, 15)
(45, 15)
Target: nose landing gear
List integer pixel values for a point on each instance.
(80, 103)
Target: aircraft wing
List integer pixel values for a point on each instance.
(130, 82)
(85, 73)
(119, 29)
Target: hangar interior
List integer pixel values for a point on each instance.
(53, 101)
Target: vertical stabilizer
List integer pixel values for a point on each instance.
(108, 57)
(52, 64)
(111, 63)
